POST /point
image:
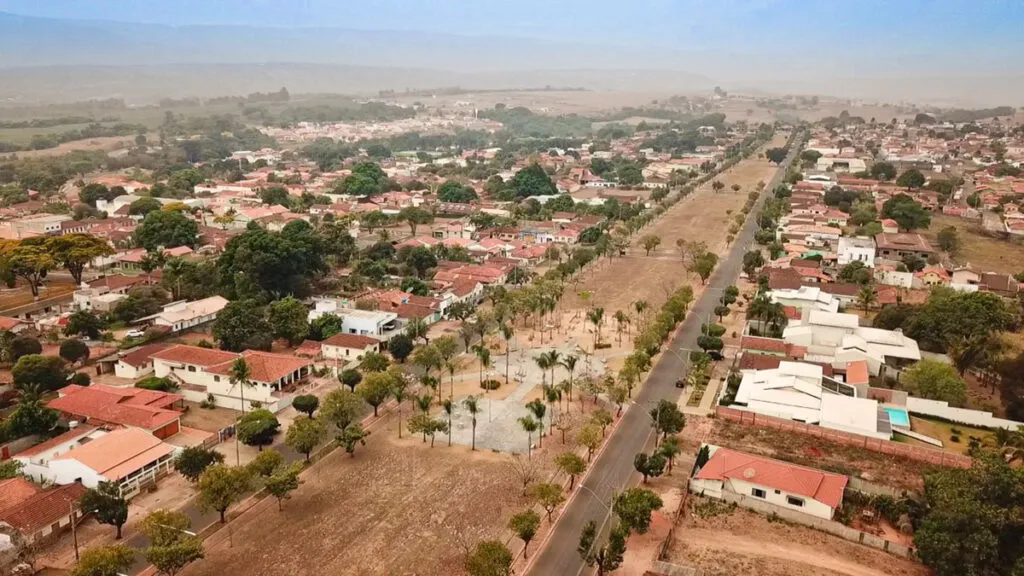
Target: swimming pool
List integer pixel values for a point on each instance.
(898, 417)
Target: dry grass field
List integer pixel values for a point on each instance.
(983, 251)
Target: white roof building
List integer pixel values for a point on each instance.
(806, 298)
(838, 339)
(182, 315)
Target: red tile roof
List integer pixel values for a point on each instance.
(6, 322)
(857, 372)
(57, 440)
(43, 509)
(351, 341)
(309, 348)
(263, 366)
(194, 355)
(136, 407)
(763, 344)
(141, 355)
(824, 487)
(14, 491)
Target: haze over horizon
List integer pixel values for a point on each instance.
(914, 49)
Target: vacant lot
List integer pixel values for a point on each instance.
(742, 542)
(984, 252)
(704, 215)
(20, 295)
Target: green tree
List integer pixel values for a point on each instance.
(374, 362)
(472, 405)
(341, 408)
(287, 318)
(282, 483)
(264, 464)
(74, 350)
(304, 435)
(704, 265)
(949, 240)
(75, 251)
(144, 206)
(166, 230)
(669, 449)
(375, 389)
(572, 465)
(590, 437)
(911, 179)
(883, 171)
(104, 561)
(242, 325)
(650, 242)
(306, 403)
(489, 558)
(350, 377)
(525, 525)
(401, 347)
(634, 506)
(257, 428)
(907, 212)
(936, 381)
(106, 502)
(549, 496)
(221, 486)
(414, 216)
(752, 261)
(83, 323)
(532, 181)
(453, 191)
(46, 372)
(649, 465)
(193, 460)
(172, 547)
(352, 435)
(667, 418)
(30, 260)
(606, 558)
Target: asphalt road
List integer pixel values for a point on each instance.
(613, 470)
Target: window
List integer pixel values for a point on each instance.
(794, 501)
(216, 378)
(191, 368)
(757, 492)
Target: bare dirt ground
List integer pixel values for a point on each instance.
(92, 144)
(981, 250)
(746, 543)
(805, 450)
(704, 215)
(20, 295)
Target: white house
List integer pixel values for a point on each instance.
(137, 362)
(375, 323)
(183, 315)
(348, 347)
(837, 339)
(129, 456)
(857, 249)
(203, 372)
(785, 485)
(806, 298)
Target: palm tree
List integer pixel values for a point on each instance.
(529, 425)
(239, 375)
(596, 316)
(507, 331)
(472, 405)
(423, 403)
(757, 309)
(569, 362)
(449, 409)
(641, 307)
(543, 363)
(399, 393)
(484, 355)
(553, 362)
(450, 366)
(538, 409)
(866, 297)
(621, 318)
(552, 393)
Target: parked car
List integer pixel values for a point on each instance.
(135, 334)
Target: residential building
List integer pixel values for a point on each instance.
(106, 406)
(130, 457)
(204, 373)
(898, 246)
(838, 339)
(379, 324)
(137, 362)
(38, 516)
(806, 298)
(785, 485)
(348, 347)
(178, 316)
(856, 249)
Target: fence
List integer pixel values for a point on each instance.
(888, 395)
(921, 454)
(828, 526)
(960, 415)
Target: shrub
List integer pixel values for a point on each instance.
(490, 384)
(81, 378)
(158, 384)
(210, 403)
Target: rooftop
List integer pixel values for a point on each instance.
(119, 453)
(137, 407)
(824, 487)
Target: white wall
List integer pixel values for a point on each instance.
(340, 352)
(961, 415)
(225, 394)
(124, 370)
(715, 489)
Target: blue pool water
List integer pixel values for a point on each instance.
(898, 417)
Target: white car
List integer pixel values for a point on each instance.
(134, 334)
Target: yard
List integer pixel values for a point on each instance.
(743, 542)
(945, 432)
(984, 252)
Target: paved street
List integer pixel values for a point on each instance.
(613, 470)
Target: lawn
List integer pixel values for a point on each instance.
(945, 431)
(985, 253)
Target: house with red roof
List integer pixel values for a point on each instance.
(137, 362)
(204, 373)
(106, 406)
(36, 515)
(348, 347)
(782, 484)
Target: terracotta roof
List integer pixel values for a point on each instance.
(857, 372)
(309, 348)
(6, 322)
(43, 508)
(755, 361)
(68, 436)
(119, 453)
(763, 344)
(263, 366)
(824, 487)
(912, 242)
(141, 356)
(194, 355)
(351, 341)
(126, 406)
(14, 491)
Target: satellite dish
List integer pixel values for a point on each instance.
(749, 473)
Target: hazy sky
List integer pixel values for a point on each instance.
(979, 30)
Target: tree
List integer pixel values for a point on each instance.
(533, 181)
(907, 212)
(596, 317)
(866, 297)
(264, 464)
(14, 347)
(717, 186)
(29, 259)
(283, 482)
(667, 419)
(776, 155)
(287, 318)
(171, 547)
(75, 251)
(549, 496)
(669, 449)
(911, 179)
(341, 408)
(375, 389)
(704, 265)
(634, 507)
(472, 405)
(710, 343)
(161, 229)
(914, 263)
(104, 561)
(529, 425)
(257, 428)
(855, 272)
(650, 242)
(352, 435)
(936, 381)
(106, 502)
(350, 377)
(74, 350)
(417, 328)
(306, 403)
(649, 465)
(489, 558)
(449, 409)
(374, 362)
(401, 347)
(193, 460)
(605, 558)
(571, 465)
(242, 325)
(453, 191)
(221, 486)
(83, 323)
(415, 216)
(590, 437)
(46, 372)
(525, 525)
(31, 416)
(144, 206)
(752, 261)
(949, 240)
(422, 423)
(883, 171)
(305, 434)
